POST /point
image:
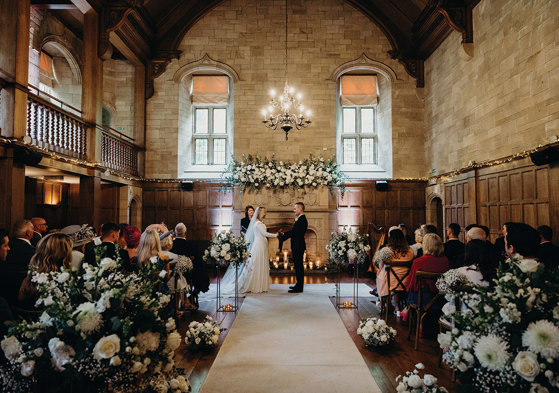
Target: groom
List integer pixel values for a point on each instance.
(298, 247)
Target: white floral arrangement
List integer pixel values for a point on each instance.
(101, 329)
(507, 339)
(203, 335)
(226, 248)
(413, 383)
(376, 332)
(451, 281)
(183, 265)
(383, 255)
(254, 173)
(348, 247)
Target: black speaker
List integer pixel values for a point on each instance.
(381, 185)
(27, 156)
(187, 186)
(545, 156)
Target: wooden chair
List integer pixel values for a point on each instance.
(374, 230)
(400, 286)
(420, 310)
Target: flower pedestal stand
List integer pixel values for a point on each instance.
(351, 304)
(227, 307)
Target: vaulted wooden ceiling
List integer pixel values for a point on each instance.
(153, 29)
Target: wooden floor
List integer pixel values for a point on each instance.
(385, 364)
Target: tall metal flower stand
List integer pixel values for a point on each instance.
(353, 303)
(227, 307)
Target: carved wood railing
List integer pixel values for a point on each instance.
(118, 151)
(55, 129)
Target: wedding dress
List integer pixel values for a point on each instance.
(254, 274)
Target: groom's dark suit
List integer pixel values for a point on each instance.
(298, 247)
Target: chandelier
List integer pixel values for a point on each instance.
(286, 111)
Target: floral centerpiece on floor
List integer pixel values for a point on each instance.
(348, 247)
(203, 335)
(376, 332)
(226, 248)
(100, 329)
(254, 173)
(413, 383)
(508, 338)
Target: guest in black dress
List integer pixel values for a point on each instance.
(245, 222)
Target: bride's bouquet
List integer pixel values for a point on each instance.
(348, 247)
(376, 332)
(226, 248)
(100, 329)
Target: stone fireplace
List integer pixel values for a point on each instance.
(320, 209)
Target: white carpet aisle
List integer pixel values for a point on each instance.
(284, 342)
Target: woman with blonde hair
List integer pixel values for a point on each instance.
(150, 246)
(53, 253)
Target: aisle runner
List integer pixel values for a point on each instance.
(284, 342)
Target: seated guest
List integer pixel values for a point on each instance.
(474, 233)
(6, 284)
(166, 241)
(548, 253)
(39, 229)
(417, 246)
(480, 260)
(180, 244)
(110, 233)
(121, 241)
(402, 253)
(245, 222)
(453, 247)
(434, 261)
(132, 239)
(149, 246)
(500, 241)
(80, 236)
(54, 252)
(429, 228)
(522, 241)
(21, 249)
(199, 278)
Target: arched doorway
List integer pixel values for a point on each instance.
(134, 213)
(436, 215)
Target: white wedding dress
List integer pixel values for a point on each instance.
(254, 274)
(255, 277)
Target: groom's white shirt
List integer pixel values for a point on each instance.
(296, 218)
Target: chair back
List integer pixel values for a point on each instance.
(389, 267)
(422, 277)
(375, 232)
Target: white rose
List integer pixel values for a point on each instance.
(27, 368)
(444, 340)
(162, 274)
(115, 361)
(429, 380)
(136, 367)
(11, 347)
(38, 352)
(106, 347)
(226, 247)
(414, 381)
(174, 384)
(173, 341)
(351, 253)
(526, 365)
(215, 338)
(528, 265)
(48, 301)
(107, 264)
(197, 341)
(63, 277)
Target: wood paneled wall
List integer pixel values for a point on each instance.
(518, 192)
(203, 210)
(403, 202)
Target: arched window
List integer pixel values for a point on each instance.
(364, 118)
(205, 142)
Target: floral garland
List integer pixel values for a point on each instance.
(376, 332)
(100, 328)
(226, 248)
(348, 247)
(508, 338)
(255, 173)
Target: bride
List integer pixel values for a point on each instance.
(254, 275)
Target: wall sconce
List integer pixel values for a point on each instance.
(52, 193)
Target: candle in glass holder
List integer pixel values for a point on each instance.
(285, 256)
(285, 265)
(275, 265)
(304, 266)
(277, 259)
(305, 256)
(318, 263)
(310, 265)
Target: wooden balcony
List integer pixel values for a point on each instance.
(59, 128)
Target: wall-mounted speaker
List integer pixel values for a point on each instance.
(381, 185)
(27, 156)
(187, 185)
(545, 156)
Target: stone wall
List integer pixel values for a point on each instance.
(118, 94)
(505, 99)
(249, 37)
